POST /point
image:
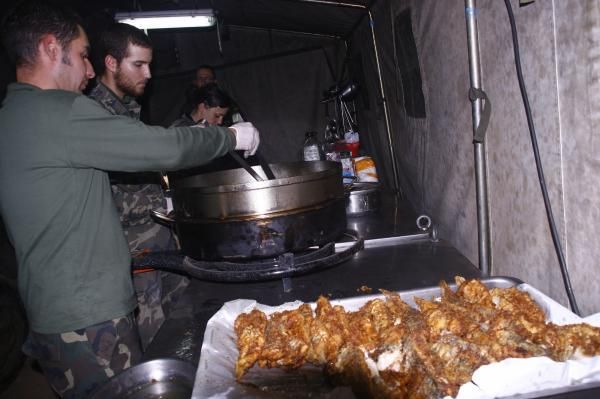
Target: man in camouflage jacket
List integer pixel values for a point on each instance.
(124, 71)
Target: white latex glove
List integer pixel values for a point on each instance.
(246, 137)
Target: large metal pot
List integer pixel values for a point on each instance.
(228, 214)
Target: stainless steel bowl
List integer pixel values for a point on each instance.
(160, 378)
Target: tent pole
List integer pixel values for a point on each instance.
(481, 185)
(386, 114)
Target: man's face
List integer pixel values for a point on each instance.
(214, 115)
(75, 69)
(133, 72)
(204, 76)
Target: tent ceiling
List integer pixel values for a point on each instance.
(307, 16)
(291, 15)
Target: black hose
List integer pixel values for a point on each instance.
(538, 163)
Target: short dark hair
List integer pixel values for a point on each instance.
(206, 66)
(114, 40)
(211, 95)
(26, 23)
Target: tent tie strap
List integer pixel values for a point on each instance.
(478, 94)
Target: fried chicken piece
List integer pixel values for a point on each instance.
(368, 323)
(329, 331)
(446, 318)
(250, 330)
(357, 369)
(505, 343)
(398, 361)
(575, 341)
(450, 361)
(471, 291)
(353, 368)
(448, 355)
(287, 338)
(333, 327)
(517, 303)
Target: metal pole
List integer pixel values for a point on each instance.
(483, 218)
(385, 110)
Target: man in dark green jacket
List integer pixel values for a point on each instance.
(55, 198)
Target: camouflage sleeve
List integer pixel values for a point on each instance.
(134, 204)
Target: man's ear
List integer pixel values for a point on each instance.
(49, 48)
(110, 63)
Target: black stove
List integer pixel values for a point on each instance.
(283, 266)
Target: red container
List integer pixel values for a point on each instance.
(352, 147)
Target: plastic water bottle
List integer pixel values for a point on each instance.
(311, 147)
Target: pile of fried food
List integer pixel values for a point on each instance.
(388, 349)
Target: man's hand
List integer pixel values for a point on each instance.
(246, 137)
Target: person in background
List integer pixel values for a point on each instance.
(206, 105)
(123, 57)
(56, 145)
(205, 74)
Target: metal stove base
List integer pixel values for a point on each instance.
(285, 265)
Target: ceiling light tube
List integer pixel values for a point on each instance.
(168, 19)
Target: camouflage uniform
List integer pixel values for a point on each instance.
(135, 195)
(77, 362)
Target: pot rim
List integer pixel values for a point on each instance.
(331, 168)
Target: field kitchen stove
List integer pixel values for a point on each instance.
(285, 265)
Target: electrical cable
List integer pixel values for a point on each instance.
(538, 163)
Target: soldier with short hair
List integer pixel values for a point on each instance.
(124, 54)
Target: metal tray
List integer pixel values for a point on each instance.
(159, 378)
(215, 375)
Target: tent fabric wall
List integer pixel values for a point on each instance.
(578, 43)
(521, 238)
(276, 78)
(559, 51)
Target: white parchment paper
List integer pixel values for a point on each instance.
(215, 377)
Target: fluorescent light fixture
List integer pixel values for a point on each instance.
(168, 19)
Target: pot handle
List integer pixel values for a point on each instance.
(162, 217)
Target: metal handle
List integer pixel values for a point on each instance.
(245, 165)
(161, 216)
(265, 166)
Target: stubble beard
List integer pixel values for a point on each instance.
(66, 60)
(127, 86)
